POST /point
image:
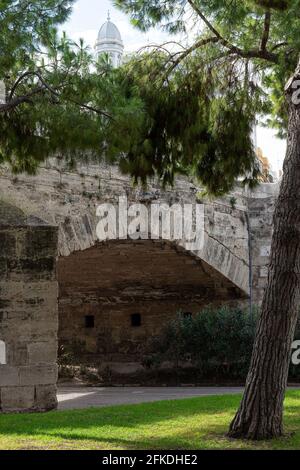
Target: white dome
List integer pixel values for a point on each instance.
(109, 42)
(109, 31)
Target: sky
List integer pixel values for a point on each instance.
(85, 22)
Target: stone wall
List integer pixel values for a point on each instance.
(28, 312)
(261, 206)
(235, 257)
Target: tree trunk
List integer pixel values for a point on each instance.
(260, 415)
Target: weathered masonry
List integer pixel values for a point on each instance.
(28, 312)
(110, 296)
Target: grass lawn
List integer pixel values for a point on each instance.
(196, 423)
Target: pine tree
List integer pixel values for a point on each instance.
(59, 100)
(238, 67)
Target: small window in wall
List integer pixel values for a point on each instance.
(90, 321)
(136, 320)
(2, 353)
(187, 315)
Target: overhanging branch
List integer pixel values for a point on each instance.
(261, 53)
(190, 50)
(13, 103)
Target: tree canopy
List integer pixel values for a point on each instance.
(171, 109)
(59, 99)
(233, 70)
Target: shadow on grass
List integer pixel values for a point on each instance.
(194, 423)
(179, 441)
(124, 425)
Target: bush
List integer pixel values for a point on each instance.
(217, 343)
(68, 353)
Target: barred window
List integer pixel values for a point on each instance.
(90, 321)
(136, 320)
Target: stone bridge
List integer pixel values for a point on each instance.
(111, 295)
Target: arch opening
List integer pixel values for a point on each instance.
(116, 296)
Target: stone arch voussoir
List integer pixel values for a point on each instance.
(79, 233)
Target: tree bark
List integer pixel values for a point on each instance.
(260, 415)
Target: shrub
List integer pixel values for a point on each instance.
(217, 342)
(68, 353)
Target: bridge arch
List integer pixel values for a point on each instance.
(79, 233)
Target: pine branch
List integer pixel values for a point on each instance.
(280, 44)
(223, 41)
(187, 52)
(252, 54)
(15, 102)
(266, 32)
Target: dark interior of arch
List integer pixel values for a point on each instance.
(113, 297)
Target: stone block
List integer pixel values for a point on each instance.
(42, 352)
(4, 303)
(17, 354)
(3, 267)
(7, 244)
(14, 399)
(45, 397)
(31, 269)
(9, 376)
(38, 375)
(41, 242)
